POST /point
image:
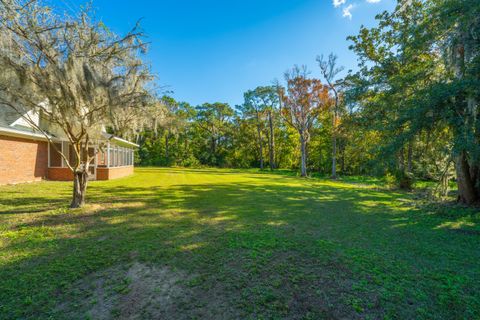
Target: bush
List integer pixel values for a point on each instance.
(390, 180)
(400, 179)
(190, 162)
(405, 180)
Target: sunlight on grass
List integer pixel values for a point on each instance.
(265, 242)
(459, 224)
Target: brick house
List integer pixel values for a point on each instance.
(25, 155)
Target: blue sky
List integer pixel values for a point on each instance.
(214, 50)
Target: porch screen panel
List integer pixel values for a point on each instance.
(101, 157)
(111, 156)
(120, 156)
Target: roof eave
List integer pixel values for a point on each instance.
(111, 137)
(22, 134)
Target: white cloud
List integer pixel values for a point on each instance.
(337, 3)
(373, 1)
(405, 5)
(347, 11)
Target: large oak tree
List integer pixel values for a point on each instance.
(71, 71)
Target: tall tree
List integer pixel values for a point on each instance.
(169, 123)
(261, 104)
(419, 72)
(301, 102)
(270, 100)
(330, 73)
(71, 71)
(253, 107)
(462, 47)
(213, 120)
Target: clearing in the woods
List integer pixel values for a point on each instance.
(228, 244)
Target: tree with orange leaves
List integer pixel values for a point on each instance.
(301, 102)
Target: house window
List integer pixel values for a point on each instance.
(72, 156)
(55, 156)
(65, 147)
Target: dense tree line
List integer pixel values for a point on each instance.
(418, 86)
(410, 110)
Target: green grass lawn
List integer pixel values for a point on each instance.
(220, 244)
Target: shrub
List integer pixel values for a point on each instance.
(405, 180)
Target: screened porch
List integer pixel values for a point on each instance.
(111, 161)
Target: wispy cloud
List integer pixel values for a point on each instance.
(337, 3)
(347, 7)
(347, 11)
(405, 5)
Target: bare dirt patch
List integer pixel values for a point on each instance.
(141, 291)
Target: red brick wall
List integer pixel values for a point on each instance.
(22, 160)
(60, 174)
(25, 160)
(104, 173)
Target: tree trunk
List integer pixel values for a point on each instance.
(410, 156)
(213, 154)
(260, 146)
(213, 146)
(271, 141)
(334, 146)
(80, 179)
(334, 157)
(155, 128)
(303, 158)
(401, 160)
(166, 147)
(466, 185)
(320, 161)
(467, 182)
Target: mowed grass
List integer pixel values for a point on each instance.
(218, 244)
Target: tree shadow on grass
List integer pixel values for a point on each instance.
(278, 250)
(15, 202)
(215, 171)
